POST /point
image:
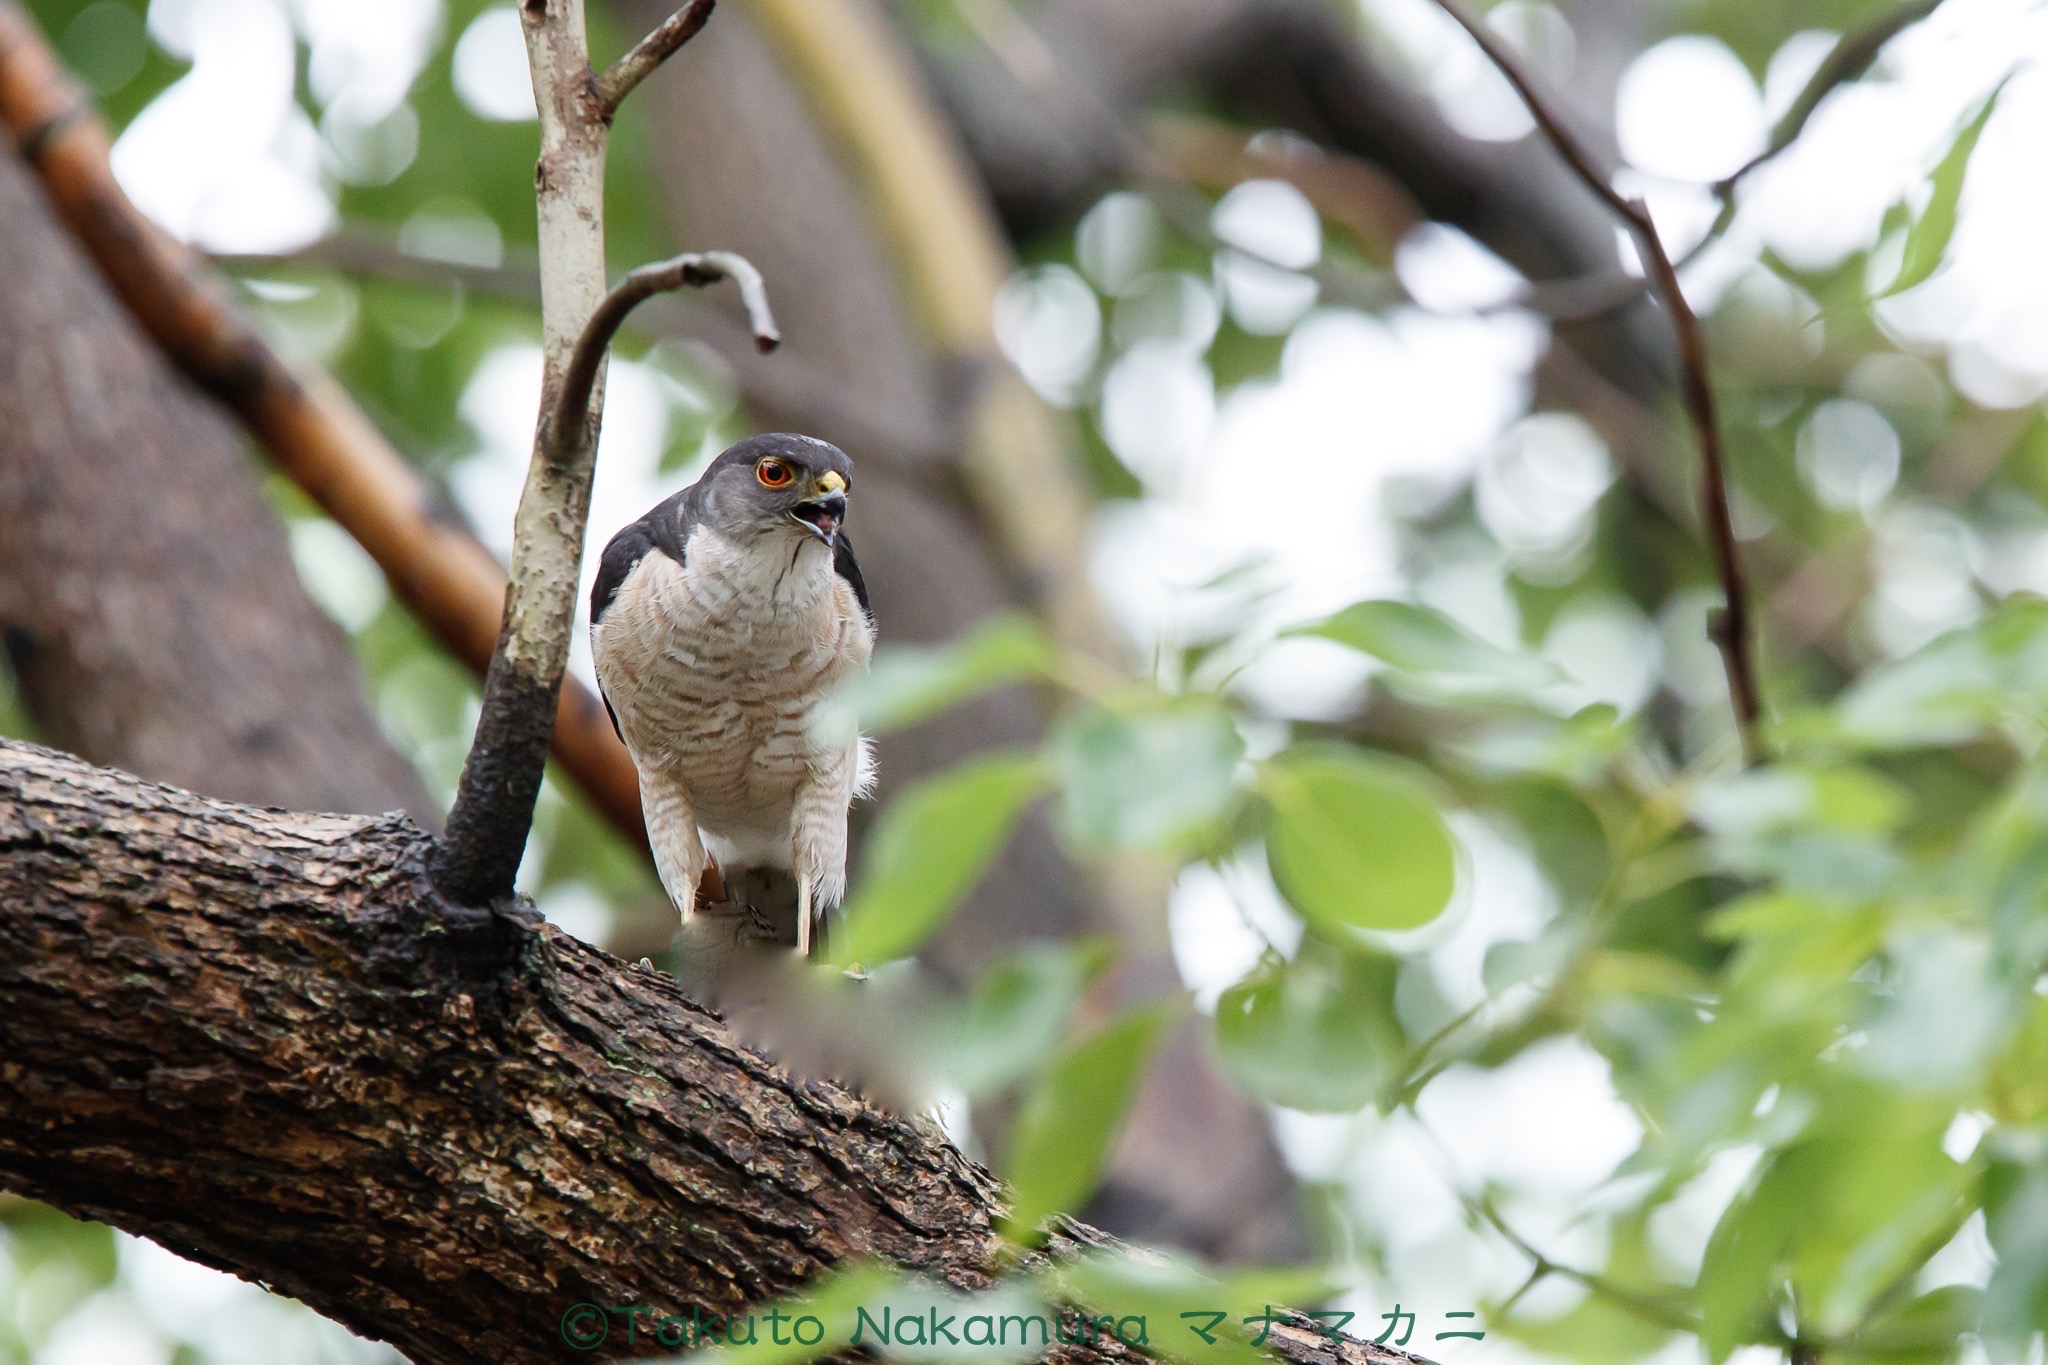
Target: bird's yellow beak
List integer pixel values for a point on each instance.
(825, 509)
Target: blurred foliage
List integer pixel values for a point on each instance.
(1825, 974)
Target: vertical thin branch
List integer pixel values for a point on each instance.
(477, 859)
(1731, 629)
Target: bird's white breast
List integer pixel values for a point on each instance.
(715, 668)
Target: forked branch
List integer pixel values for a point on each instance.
(1731, 628)
(617, 81)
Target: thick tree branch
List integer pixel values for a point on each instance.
(618, 80)
(263, 1040)
(1731, 631)
(306, 422)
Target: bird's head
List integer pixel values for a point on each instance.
(778, 485)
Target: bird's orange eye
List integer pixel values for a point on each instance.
(774, 474)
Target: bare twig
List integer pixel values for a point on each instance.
(306, 422)
(694, 270)
(1849, 59)
(1593, 295)
(1731, 629)
(619, 79)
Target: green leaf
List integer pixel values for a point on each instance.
(2016, 1219)
(1356, 843)
(1739, 1274)
(1158, 779)
(1563, 832)
(1836, 1219)
(1927, 240)
(1016, 1015)
(1923, 1328)
(1061, 1145)
(905, 685)
(1315, 1034)
(1429, 645)
(929, 848)
(1951, 690)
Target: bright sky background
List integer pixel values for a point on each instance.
(1391, 409)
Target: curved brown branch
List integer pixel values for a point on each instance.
(563, 423)
(261, 1039)
(300, 416)
(617, 81)
(1731, 630)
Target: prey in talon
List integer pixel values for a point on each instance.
(720, 623)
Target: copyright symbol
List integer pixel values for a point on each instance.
(585, 1326)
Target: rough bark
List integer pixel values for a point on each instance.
(261, 1039)
(148, 602)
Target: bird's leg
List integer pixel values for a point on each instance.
(803, 917)
(817, 840)
(671, 819)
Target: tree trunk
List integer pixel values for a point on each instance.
(148, 602)
(260, 1039)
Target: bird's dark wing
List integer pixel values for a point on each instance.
(621, 556)
(665, 528)
(849, 569)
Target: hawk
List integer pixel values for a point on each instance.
(719, 623)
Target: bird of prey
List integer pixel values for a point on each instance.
(719, 623)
